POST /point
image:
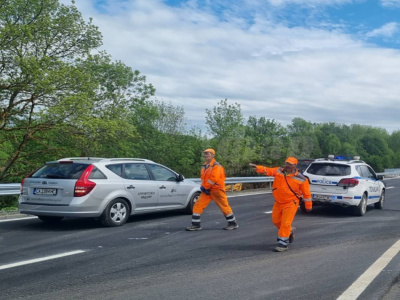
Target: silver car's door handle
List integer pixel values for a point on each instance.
(162, 187)
(131, 187)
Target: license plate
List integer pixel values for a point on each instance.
(51, 192)
(324, 197)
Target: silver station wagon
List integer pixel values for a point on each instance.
(111, 189)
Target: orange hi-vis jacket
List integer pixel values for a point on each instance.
(213, 176)
(280, 189)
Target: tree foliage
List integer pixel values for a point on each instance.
(51, 82)
(225, 120)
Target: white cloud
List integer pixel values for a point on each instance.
(311, 2)
(194, 59)
(390, 3)
(387, 30)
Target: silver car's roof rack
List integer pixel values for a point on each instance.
(104, 159)
(81, 158)
(124, 159)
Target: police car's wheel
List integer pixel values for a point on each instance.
(116, 213)
(379, 205)
(189, 207)
(362, 207)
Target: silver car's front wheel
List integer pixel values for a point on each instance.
(116, 213)
(193, 199)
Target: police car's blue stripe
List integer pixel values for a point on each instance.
(332, 182)
(357, 197)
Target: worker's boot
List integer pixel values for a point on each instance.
(195, 223)
(193, 227)
(282, 245)
(232, 224)
(281, 248)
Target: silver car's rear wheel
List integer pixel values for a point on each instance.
(116, 213)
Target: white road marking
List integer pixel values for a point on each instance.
(369, 275)
(268, 212)
(138, 238)
(17, 219)
(390, 187)
(31, 261)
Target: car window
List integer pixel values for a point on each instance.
(303, 164)
(116, 168)
(366, 172)
(60, 171)
(358, 169)
(161, 173)
(136, 172)
(329, 169)
(373, 174)
(97, 174)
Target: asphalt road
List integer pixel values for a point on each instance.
(153, 257)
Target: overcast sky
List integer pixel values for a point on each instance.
(320, 60)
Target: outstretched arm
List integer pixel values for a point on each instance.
(264, 170)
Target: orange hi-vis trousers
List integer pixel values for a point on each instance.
(283, 216)
(220, 199)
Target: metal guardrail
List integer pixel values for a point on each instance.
(233, 180)
(14, 188)
(9, 189)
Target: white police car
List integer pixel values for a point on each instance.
(346, 182)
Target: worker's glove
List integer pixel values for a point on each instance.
(203, 189)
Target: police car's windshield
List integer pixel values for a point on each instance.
(329, 169)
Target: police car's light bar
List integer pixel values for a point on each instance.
(342, 157)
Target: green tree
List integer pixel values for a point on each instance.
(394, 144)
(269, 140)
(51, 83)
(332, 144)
(225, 122)
(162, 137)
(304, 143)
(170, 119)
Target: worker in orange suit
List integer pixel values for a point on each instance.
(212, 188)
(288, 188)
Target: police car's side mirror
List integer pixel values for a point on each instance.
(180, 177)
(380, 177)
